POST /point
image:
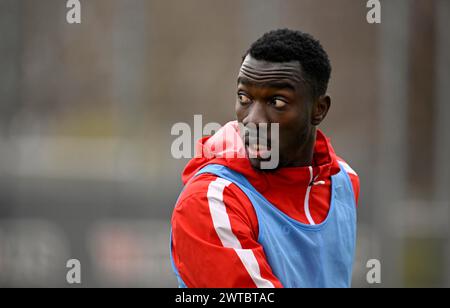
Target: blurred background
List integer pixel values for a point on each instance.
(86, 113)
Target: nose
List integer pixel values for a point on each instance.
(256, 114)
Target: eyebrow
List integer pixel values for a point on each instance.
(272, 84)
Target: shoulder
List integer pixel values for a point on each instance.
(207, 192)
(347, 166)
(354, 177)
(207, 186)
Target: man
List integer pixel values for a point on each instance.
(236, 225)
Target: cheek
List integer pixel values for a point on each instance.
(240, 112)
(290, 120)
(292, 127)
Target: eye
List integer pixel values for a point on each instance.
(278, 103)
(244, 99)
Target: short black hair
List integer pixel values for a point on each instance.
(285, 45)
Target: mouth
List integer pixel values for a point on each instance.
(258, 151)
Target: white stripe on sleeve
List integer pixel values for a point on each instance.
(223, 229)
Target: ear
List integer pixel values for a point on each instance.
(320, 109)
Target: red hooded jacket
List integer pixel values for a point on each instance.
(303, 193)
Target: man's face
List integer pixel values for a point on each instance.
(270, 93)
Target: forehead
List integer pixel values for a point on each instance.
(256, 71)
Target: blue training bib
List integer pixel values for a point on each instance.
(300, 255)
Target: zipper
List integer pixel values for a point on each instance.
(312, 182)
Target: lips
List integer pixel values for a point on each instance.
(254, 148)
(258, 151)
(255, 140)
(258, 148)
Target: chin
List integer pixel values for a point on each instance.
(256, 164)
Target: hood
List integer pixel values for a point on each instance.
(226, 148)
